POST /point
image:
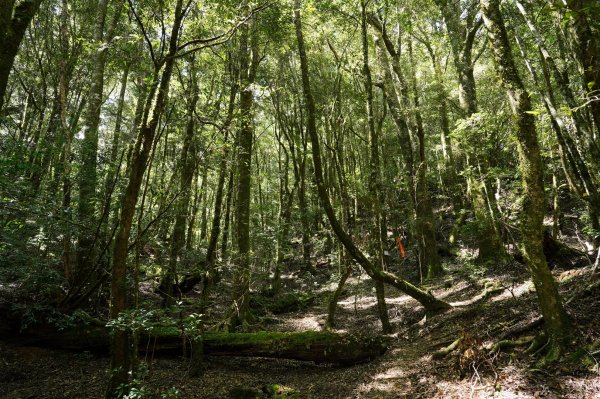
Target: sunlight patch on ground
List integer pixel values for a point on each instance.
(388, 386)
(471, 389)
(360, 303)
(310, 322)
(589, 388)
(516, 290)
(400, 300)
(394, 372)
(368, 302)
(469, 301)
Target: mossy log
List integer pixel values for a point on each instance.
(315, 346)
(319, 347)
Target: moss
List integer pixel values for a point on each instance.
(276, 391)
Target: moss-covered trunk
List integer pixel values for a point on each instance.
(248, 57)
(121, 362)
(430, 303)
(556, 321)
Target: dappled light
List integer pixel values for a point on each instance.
(299, 199)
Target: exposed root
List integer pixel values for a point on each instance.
(553, 351)
(538, 343)
(521, 328)
(509, 343)
(441, 353)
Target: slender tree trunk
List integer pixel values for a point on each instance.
(462, 37)
(116, 147)
(557, 324)
(375, 187)
(587, 51)
(187, 163)
(581, 181)
(63, 92)
(248, 64)
(211, 252)
(416, 171)
(425, 219)
(121, 362)
(227, 216)
(430, 303)
(204, 201)
(88, 176)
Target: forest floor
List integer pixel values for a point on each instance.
(406, 370)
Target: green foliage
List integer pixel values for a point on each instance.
(159, 321)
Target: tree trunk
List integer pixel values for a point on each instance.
(248, 65)
(556, 321)
(121, 362)
(13, 24)
(430, 303)
(187, 162)
(88, 179)
(313, 346)
(416, 172)
(587, 51)
(375, 187)
(189, 282)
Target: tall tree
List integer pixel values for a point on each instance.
(248, 59)
(557, 324)
(121, 362)
(430, 303)
(88, 178)
(379, 229)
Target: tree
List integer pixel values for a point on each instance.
(249, 59)
(14, 20)
(557, 324)
(430, 303)
(121, 362)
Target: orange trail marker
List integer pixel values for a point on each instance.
(400, 247)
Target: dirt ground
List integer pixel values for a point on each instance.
(406, 370)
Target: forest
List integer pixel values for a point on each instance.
(299, 199)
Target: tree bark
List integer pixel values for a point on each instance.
(13, 24)
(556, 320)
(399, 102)
(121, 362)
(248, 65)
(375, 187)
(187, 162)
(430, 303)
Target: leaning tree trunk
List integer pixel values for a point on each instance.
(121, 362)
(556, 320)
(430, 303)
(13, 24)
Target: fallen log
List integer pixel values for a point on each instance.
(315, 346)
